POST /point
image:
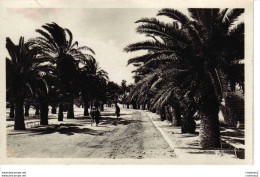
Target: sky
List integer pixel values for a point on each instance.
(106, 31)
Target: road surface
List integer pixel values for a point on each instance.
(133, 136)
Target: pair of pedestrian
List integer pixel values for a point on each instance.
(95, 116)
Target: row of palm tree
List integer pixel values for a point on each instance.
(189, 67)
(52, 70)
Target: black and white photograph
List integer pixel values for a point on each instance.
(133, 85)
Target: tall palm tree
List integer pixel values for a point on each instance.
(41, 93)
(57, 46)
(199, 51)
(9, 97)
(113, 90)
(156, 89)
(92, 83)
(23, 70)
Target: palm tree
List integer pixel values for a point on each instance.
(113, 90)
(92, 83)
(9, 97)
(141, 92)
(41, 93)
(168, 94)
(199, 51)
(22, 69)
(155, 88)
(57, 46)
(54, 92)
(26, 109)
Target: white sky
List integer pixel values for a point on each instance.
(106, 31)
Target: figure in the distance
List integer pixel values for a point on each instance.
(95, 116)
(117, 111)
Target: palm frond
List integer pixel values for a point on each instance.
(158, 23)
(174, 14)
(163, 96)
(142, 86)
(231, 17)
(139, 59)
(70, 37)
(11, 48)
(146, 45)
(86, 48)
(222, 15)
(205, 16)
(29, 88)
(75, 44)
(166, 33)
(238, 30)
(47, 36)
(57, 32)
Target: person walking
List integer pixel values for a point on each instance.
(95, 116)
(117, 111)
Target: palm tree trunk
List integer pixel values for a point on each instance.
(162, 113)
(176, 115)
(26, 110)
(86, 113)
(37, 112)
(44, 112)
(102, 107)
(70, 114)
(209, 125)
(53, 109)
(188, 125)
(11, 114)
(149, 107)
(65, 107)
(134, 105)
(91, 105)
(60, 116)
(143, 106)
(168, 115)
(86, 106)
(19, 116)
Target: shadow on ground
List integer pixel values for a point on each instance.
(76, 128)
(203, 152)
(107, 120)
(30, 118)
(66, 129)
(189, 135)
(114, 121)
(113, 114)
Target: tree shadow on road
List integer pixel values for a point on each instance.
(66, 129)
(113, 114)
(107, 120)
(204, 152)
(30, 118)
(186, 135)
(120, 121)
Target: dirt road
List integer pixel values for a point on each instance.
(133, 136)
